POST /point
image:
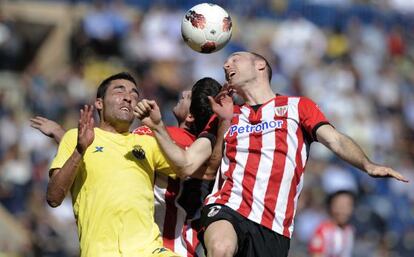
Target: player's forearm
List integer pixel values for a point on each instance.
(61, 180)
(57, 134)
(177, 156)
(350, 152)
(217, 155)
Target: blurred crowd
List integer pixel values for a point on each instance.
(358, 66)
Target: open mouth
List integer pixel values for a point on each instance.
(125, 109)
(230, 74)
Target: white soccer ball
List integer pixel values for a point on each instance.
(206, 28)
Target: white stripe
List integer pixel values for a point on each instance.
(290, 164)
(189, 235)
(304, 155)
(241, 159)
(160, 188)
(298, 190)
(265, 167)
(179, 245)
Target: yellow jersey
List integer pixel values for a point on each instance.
(112, 195)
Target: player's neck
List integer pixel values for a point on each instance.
(114, 128)
(183, 125)
(257, 94)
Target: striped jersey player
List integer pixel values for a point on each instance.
(266, 146)
(264, 159)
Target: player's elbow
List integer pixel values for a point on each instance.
(54, 199)
(53, 202)
(185, 171)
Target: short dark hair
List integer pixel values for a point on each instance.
(330, 197)
(106, 82)
(200, 106)
(268, 67)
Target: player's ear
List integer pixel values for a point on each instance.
(99, 104)
(189, 118)
(260, 65)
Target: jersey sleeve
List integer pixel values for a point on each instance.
(211, 129)
(317, 242)
(66, 147)
(310, 117)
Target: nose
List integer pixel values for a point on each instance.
(127, 98)
(226, 65)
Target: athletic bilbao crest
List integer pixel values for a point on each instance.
(281, 110)
(213, 210)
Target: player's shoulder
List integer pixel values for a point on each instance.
(295, 97)
(71, 133)
(181, 137)
(326, 225)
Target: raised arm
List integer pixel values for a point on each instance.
(186, 162)
(222, 106)
(48, 128)
(349, 151)
(61, 180)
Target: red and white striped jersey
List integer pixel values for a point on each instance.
(177, 202)
(330, 240)
(264, 159)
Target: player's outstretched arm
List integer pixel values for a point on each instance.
(352, 153)
(62, 179)
(48, 128)
(186, 162)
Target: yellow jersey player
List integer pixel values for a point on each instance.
(110, 174)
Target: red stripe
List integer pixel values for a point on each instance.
(188, 245)
(231, 150)
(294, 184)
(170, 220)
(252, 164)
(195, 240)
(275, 179)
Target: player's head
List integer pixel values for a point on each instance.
(115, 99)
(193, 109)
(243, 67)
(340, 206)
(200, 107)
(182, 109)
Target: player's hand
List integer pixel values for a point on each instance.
(149, 113)
(378, 171)
(222, 104)
(46, 126)
(86, 133)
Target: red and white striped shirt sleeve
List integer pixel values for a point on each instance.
(311, 117)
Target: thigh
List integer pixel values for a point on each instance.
(221, 230)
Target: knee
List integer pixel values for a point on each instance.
(221, 248)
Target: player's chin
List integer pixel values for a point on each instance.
(126, 117)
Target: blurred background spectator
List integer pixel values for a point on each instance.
(355, 58)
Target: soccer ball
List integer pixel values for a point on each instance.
(206, 28)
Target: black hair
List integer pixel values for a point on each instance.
(200, 106)
(330, 197)
(106, 82)
(268, 67)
